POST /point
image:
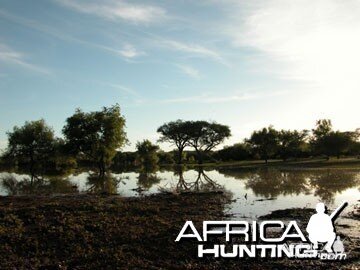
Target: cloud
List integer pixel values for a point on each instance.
(117, 10)
(194, 49)
(313, 41)
(212, 99)
(16, 58)
(124, 89)
(190, 71)
(129, 51)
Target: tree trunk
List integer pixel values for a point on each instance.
(32, 169)
(180, 156)
(102, 168)
(200, 156)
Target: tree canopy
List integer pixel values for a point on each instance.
(32, 144)
(175, 132)
(96, 135)
(204, 136)
(292, 143)
(147, 155)
(264, 142)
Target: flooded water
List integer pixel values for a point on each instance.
(254, 192)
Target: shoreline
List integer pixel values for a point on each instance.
(301, 164)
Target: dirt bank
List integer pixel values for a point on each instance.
(110, 232)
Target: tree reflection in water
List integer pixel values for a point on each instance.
(202, 182)
(327, 184)
(147, 178)
(102, 183)
(270, 182)
(37, 186)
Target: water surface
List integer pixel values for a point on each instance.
(254, 192)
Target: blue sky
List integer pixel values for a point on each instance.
(247, 64)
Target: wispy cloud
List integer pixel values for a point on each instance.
(190, 71)
(129, 51)
(212, 99)
(117, 10)
(124, 89)
(16, 58)
(191, 48)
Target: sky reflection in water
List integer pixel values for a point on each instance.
(255, 192)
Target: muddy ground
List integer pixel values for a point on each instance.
(110, 232)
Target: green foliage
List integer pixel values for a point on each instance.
(336, 143)
(124, 160)
(323, 128)
(201, 135)
(147, 154)
(265, 142)
(32, 145)
(292, 143)
(328, 142)
(175, 132)
(205, 136)
(166, 157)
(239, 151)
(97, 135)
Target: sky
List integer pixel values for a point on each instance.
(246, 64)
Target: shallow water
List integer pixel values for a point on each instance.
(254, 192)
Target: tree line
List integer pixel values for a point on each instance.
(96, 138)
(268, 143)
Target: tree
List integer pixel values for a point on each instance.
(175, 133)
(205, 136)
(97, 135)
(265, 142)
(332, 143)
(147, 154)
(337, 143)
(238, 151)
(322, 130)
(291, 143)
(32, 145)
(166, 158)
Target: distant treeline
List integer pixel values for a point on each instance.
(96, 138)
(264, 144)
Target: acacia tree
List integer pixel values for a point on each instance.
(264, 142)
(175, 132)
(205, 136)
(32, 145)
(96, 135)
